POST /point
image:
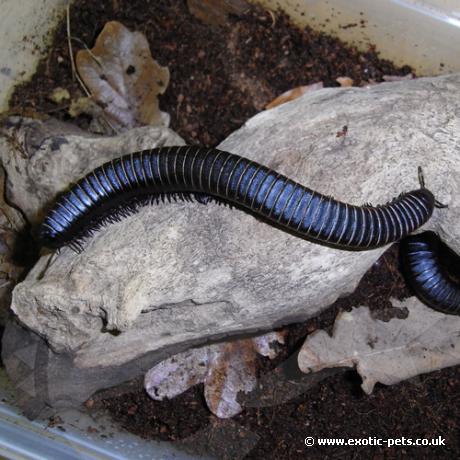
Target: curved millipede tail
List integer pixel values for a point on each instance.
(425, 273)
(118, 187)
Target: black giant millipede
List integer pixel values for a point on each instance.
(425, 263)
(108, 192)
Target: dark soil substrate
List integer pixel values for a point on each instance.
(219, 78)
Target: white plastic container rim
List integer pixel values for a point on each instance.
(424, 34)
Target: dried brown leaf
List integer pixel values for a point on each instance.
(344, 82)
(232, 368)
(215, 12)
(225, 369)
(123, 78)
(409, 76)
(386, 352)
(293, 94)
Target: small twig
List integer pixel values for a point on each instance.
(69, 42)
(112, 127)
(75, 74)
(273, 16)
(85, 89)
(5, 284)
(58, 109)
(97, 60)
(72, 62)
(16, 144)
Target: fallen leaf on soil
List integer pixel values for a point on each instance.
(369, 83)
(293, 94)
(215, 12)
(224, 368)
(123, 78)
(386, 352)
(345, 82)
(409, 76)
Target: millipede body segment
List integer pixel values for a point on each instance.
(426, 273)
(234, 179)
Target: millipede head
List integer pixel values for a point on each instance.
(48, 237)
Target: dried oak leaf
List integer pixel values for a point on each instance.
(409, 76)
(344, 82)
(215, 12)
(224, 368)
(123, 78)
(294, 93)
(386, 352)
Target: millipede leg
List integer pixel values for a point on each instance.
(438, 204)
(202, 198)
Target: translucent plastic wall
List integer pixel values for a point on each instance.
(424, 34)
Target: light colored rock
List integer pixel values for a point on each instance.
(386, 352)
(182, 273)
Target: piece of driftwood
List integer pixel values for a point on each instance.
(179, 274)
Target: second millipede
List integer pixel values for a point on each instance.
(426, 272)
(105, 194)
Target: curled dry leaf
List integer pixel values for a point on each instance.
(215, 12)
(386, 352)
(224, 368)
(344, 82)
(11, 223)
(294, 94)
(369, 83)
(123, 78)
(409, 76)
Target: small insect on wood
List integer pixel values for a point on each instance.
(343, 132)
